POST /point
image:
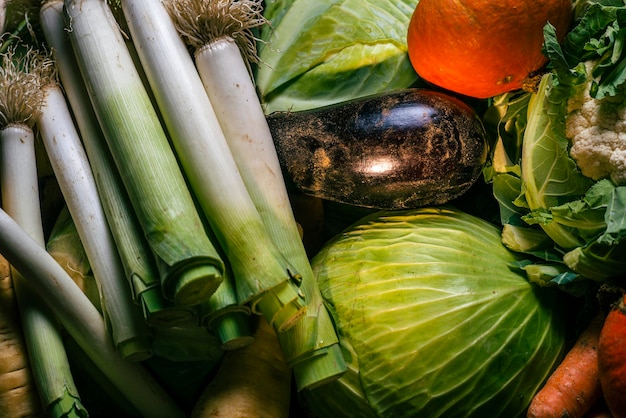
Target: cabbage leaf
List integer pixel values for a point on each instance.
(322, 52)
(550, 176)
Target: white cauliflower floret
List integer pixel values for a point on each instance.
(597, 131)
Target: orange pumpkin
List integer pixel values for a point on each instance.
(481, 48)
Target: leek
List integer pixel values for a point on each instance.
(136, 257)
(116, 402)
(3, 14)
(264, 279)
(77, 183)
(189, 265)
(20, 101)
(187, 343)
(82, 320)
(223, 315)
(65, 247)
(220, 33)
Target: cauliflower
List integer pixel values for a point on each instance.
(597, 131)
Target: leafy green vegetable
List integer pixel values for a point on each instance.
(542, 191)
(599, 35)
(311, 56)
(435, 319)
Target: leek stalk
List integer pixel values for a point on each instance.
(82, 320)
(65, 247)
(3, 14)
(223, 315)
(77, 183)
(263, 277)
(136, 256)
(116, 401)
(223, 45)
(187, 343)
(189, 265)
(20, 100)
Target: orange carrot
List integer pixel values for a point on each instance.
(18, 394)
(574, 387)
(612, 359)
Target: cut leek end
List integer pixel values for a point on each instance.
(135, 349)
(140, 283)
(282, 306)
(159, 312)
(68, 406)
(196, 284)
(326, 365)
(233, 329)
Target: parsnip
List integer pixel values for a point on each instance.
(252, 382)
(18, 394)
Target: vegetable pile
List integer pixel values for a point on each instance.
(260, 208)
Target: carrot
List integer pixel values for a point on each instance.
(18, 393)
(252, 382)
(574, 387)
(612, 359)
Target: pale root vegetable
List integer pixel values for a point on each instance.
(252, 382)
(18, 394)
(574, 387)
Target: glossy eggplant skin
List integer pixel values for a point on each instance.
(398, 150)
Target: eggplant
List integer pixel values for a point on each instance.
(396, 150)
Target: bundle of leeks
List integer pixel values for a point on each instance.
(149, 118)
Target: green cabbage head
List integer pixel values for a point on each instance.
(434, 320)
